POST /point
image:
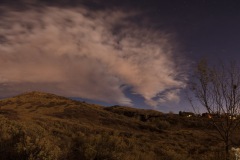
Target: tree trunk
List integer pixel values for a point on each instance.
(227, 150)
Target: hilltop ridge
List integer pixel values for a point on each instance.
(34, 104)
(38, 94)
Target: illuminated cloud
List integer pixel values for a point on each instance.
(75, 52)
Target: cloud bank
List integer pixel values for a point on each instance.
(81, 53)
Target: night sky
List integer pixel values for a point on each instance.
(137, 53)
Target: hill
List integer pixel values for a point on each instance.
(38, 125)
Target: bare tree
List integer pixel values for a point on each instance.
(217, 89)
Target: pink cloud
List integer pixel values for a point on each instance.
(76, 52)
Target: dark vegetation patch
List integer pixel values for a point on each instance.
(9, 113)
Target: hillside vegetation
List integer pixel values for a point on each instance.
(44, 126)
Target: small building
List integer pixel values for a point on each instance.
(186, 114)
(207, 115)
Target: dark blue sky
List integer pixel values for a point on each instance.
(202, 27)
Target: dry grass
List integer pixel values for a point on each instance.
(44, 126)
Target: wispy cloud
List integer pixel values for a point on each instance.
(77, 52)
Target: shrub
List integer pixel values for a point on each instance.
(20, 142)
(99, 147)
(163, 124)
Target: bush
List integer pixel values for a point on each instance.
(163, 124)
(100, 147)
(20, 142)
